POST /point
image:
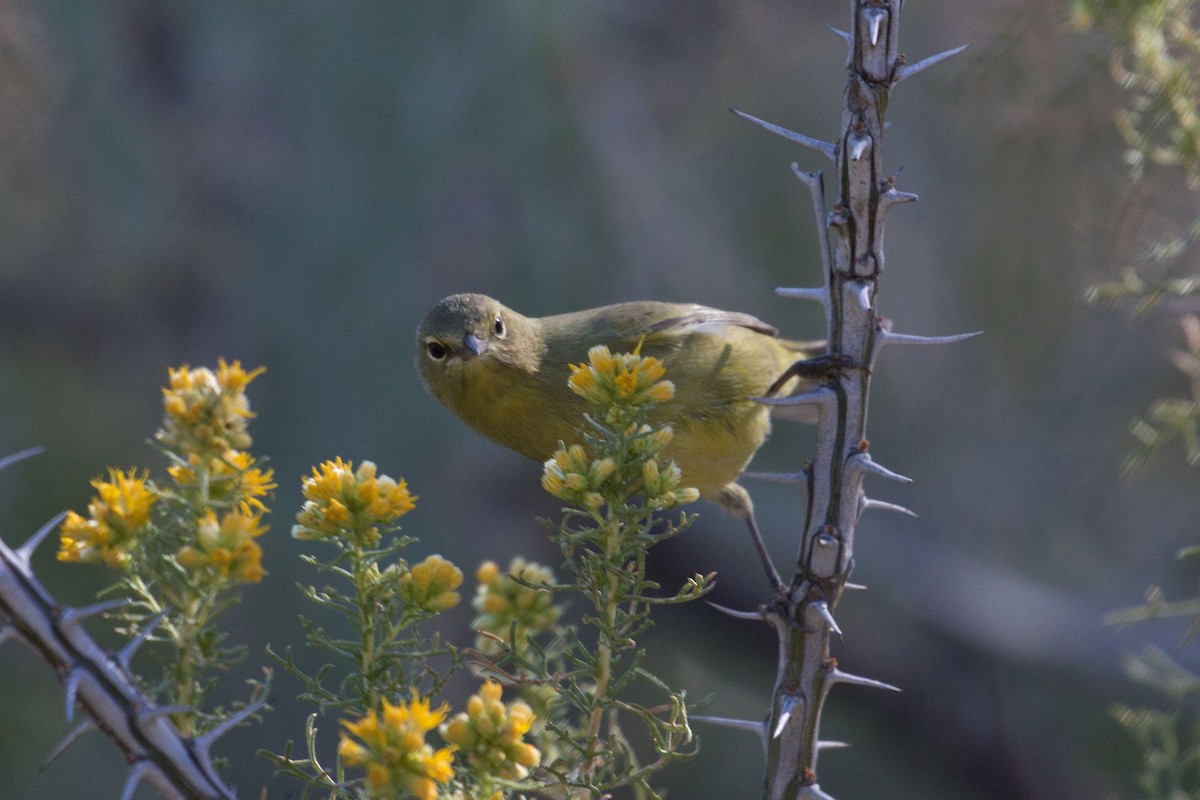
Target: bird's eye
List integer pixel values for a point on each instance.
(498, 327)
(436, 350)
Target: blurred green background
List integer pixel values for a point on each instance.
(295, 184)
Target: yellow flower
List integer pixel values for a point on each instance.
(229, 479)
(650, 441)
(570, 475)
(392, 748)
(349, 504)
(430, 585)
(660, 486)
(232, 378)
(206, 413)
(491, 734)
(662, 391)
(626, 384)
(117, 516)
(503, 602)
(226, 549)
(623, 380)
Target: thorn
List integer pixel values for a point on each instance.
(863, 293)
(864, 462)
(810, 179)
(856, 586)
(837, 676)
(817, 397)
(840, 33)
(790, 478)
(889, 338)
(70, 690)
(79, 730)
(727, 722)
(829, 150)
(909, 70)
(829, 745)
(882, 505)
(817, 294)
(756, 615)
(125, 654)
(73, 617)
(816, 187)
(827, 615)
(9, 633)
(858, 146)
(891, 197)
(787, 704)
(204, 743)
(137, 773)
(875, 17)
(25, 551)
(8, 461)
(813, 792)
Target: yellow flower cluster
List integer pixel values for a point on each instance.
(206, 413)
(621, 384)
(349, 504)
(229, 479)
(392, 748)
(503, 602)
(660, 486)
(570, 475)
(649, 442)
(626, 379)
(117, 516)
(430, 585)
(226, 548)
(491, 734)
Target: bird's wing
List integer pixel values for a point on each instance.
(692, 317)
(658, 327)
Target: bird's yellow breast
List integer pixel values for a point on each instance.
(514, 409)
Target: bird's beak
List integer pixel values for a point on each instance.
(474, 346)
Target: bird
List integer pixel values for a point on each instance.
(505, 375)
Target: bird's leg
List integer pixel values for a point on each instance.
(761, 547)
(820, 367)
(734, 498)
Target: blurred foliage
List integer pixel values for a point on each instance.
(1173, 419)
(1157, 65)
(1169, 740)
(1171, 757)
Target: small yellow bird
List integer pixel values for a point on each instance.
(505, 375)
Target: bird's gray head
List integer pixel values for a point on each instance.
(469, 332)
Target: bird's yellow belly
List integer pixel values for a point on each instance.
(711, 453)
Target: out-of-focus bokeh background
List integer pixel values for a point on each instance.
(295, 184)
